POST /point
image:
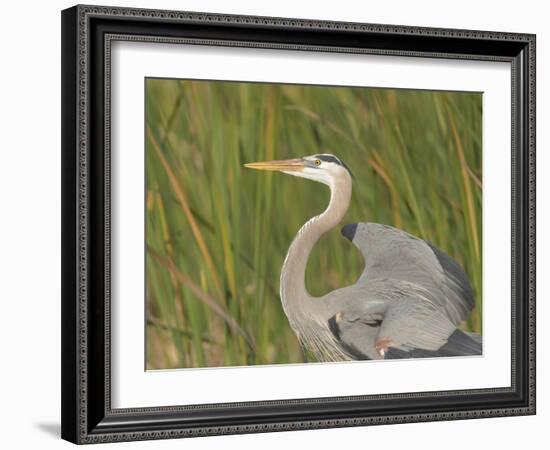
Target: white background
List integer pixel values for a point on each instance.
(30, 225)
(134, 387)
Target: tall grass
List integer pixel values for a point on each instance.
(217, 233)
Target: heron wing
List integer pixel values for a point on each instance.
(392, 253)
(460, 343)
(415, 322)
(356, 327)
(406, 318)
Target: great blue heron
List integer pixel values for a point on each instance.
(408, 301)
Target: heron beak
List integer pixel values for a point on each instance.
(286, 165)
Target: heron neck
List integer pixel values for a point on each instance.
(294, 295)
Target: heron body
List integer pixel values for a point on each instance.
(408, 301)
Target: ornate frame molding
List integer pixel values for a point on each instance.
(88, 32)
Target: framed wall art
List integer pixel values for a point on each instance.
(281, 224)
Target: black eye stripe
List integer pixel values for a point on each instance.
(333, 159)
(329, 158)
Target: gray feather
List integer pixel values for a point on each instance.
(457, 281)
(416, 322)
(413, 292)
(343, 332)
(393, 253)
(459, 343)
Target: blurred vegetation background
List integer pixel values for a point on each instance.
(217, 233)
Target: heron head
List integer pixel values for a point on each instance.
(323, 167)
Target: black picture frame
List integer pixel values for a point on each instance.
(87, 32)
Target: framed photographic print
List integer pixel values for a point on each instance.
(281, 224)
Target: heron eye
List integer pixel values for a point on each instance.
(317, 162)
